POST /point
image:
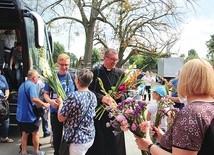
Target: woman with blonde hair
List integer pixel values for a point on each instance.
(193, 129)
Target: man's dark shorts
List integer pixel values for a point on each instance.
(29, 127)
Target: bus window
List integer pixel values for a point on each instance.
(35, 54)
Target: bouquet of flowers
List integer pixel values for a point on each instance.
(50, 77)
(126, 81)
(121, 87)
(123, 84)
(129, 115)
(165, 107)
(161, 110)
(172, 115)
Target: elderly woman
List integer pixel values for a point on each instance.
(193, 129)
(4, 93)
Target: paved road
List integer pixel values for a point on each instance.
(13, 148)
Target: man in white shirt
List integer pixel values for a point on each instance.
(9, 39)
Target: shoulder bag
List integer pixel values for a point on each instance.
(38, 112)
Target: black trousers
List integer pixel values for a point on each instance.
(147, 88)
(57, 129)
(105, 142)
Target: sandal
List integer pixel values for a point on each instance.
(6, 140)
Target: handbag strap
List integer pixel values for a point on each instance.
(79, 123)
(29, 100)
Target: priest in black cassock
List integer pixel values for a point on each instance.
(106, 143)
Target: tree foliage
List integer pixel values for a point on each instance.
(210, 45)
(192, 54)
(74, 60)
(96, 56)
(144, 62)
(136, 27)
(58, 49)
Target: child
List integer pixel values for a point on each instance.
(77, 113)
(158, 93)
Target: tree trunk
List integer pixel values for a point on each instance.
(89, 31)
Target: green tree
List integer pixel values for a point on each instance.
(192, 54)
(182, 56)
(144, 62)
(210, 45)
(96, 56)
(58, 48)
(74, 60)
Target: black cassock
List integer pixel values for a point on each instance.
(106, 143)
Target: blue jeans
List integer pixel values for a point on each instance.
(5, 128)
(18, 76)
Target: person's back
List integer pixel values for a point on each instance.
(78, 103)
(192, 129)
(28, 122)
(78, 112)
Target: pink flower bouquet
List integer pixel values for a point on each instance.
(129, 115)
(165, 108)
(161, 111)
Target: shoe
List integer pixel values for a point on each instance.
(40, 153)
(46, 135)
(6, 140)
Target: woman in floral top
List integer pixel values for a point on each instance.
(193, 129)
(78, 110)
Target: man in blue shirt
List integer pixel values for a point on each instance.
(63, 62)
(27, 121)
(174, 94)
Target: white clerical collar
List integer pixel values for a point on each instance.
(108, 69)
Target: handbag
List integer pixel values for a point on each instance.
(64, 146)
(38, 111)
(4, 110)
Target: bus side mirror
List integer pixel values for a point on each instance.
(40, 29)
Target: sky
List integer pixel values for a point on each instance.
(196, 30)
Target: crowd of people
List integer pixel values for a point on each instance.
(192, 130)
(73, 119)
